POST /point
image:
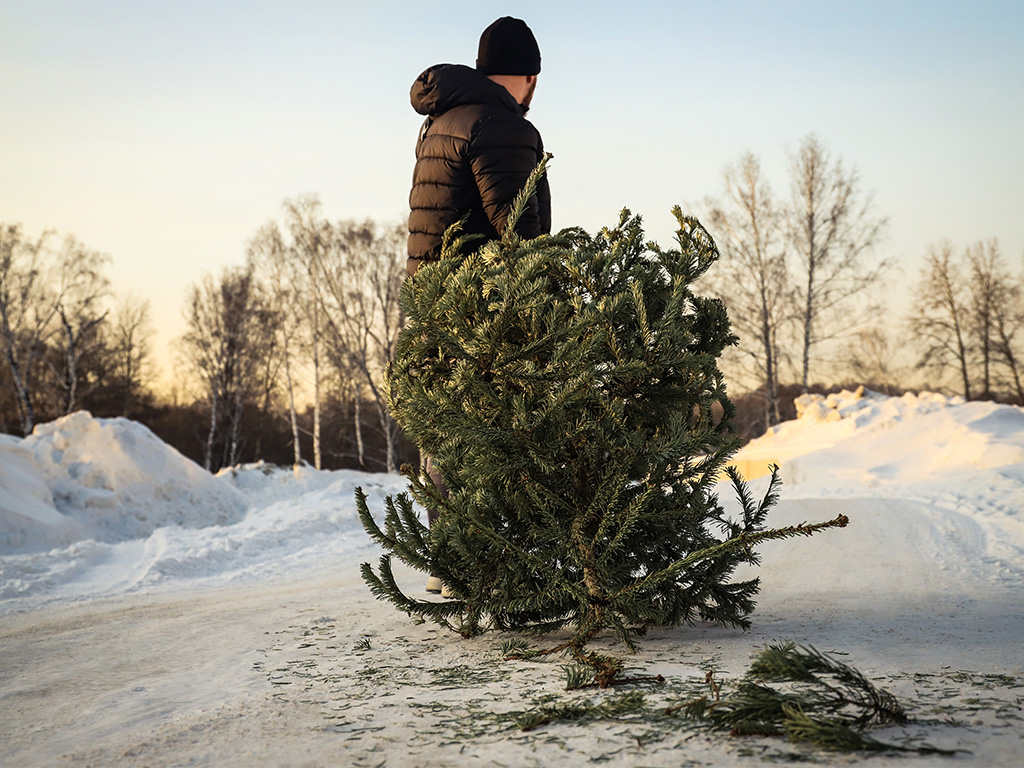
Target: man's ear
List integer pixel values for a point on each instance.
(531, 79)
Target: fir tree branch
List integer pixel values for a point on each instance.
(615, 708)
(786, 662)
(519, 203)
(384, 587)
(810, 709)
(742, 542)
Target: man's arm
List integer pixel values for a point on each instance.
(503, 153)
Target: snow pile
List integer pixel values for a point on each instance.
(933, 487)
(27, 512)
(867, 439)
(105, 479)
(311, 530)
(92, 507)
(264, 483)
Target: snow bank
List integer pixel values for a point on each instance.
(264, 483)
(933, 486)
(92, 507)
(311, 530)
(110, 480)
(865, 438)
(27, 512)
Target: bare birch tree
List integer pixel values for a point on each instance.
(752, 277)
(82, 285)
(349, 388)
(310, 249)
(941, 315)
(229, 326)
(1008, 320)
(359, 288)
(335, 287)
(202, 348)
(274, 261)
(28, 307)
(50, 316)
(985, 269)
(130, 335)
(833, 230)
(997, 317)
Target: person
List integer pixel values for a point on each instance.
(476, 148)
(475, 151)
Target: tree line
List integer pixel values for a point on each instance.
(283, 356)
(803, 279)
(313, 315)
(62, 344)
(968, 317)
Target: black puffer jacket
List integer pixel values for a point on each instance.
(474, 154)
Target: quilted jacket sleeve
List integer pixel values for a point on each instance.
(503, 153)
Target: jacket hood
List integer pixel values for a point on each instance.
(444, 86)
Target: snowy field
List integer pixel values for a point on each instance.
(151, 614)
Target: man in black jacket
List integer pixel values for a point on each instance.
(476, 148)
(475, 152)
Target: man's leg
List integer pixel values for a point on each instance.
(434, 584)
(434, 474)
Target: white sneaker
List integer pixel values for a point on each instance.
(434, 586)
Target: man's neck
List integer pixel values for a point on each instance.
(520, 87)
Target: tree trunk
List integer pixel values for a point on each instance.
(208, 460)
(809, 309)
(297, 448)
(1011, 361)
(963, 371)
(21, 391)
(128, 374)
(387, 427)
(1006, 348)
(986, 382)
(359, 426)
(71, 366)
(771, 378)
(316, 390)
(392, 435)
(236, 427)
(962, 359)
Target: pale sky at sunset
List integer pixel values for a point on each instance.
(166, 133)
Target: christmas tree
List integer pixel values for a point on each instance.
(567, 388)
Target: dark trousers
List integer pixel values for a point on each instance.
(434, 474)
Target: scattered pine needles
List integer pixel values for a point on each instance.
(807, 697)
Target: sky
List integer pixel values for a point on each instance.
(165, 133)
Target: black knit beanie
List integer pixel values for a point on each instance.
(508, 47)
